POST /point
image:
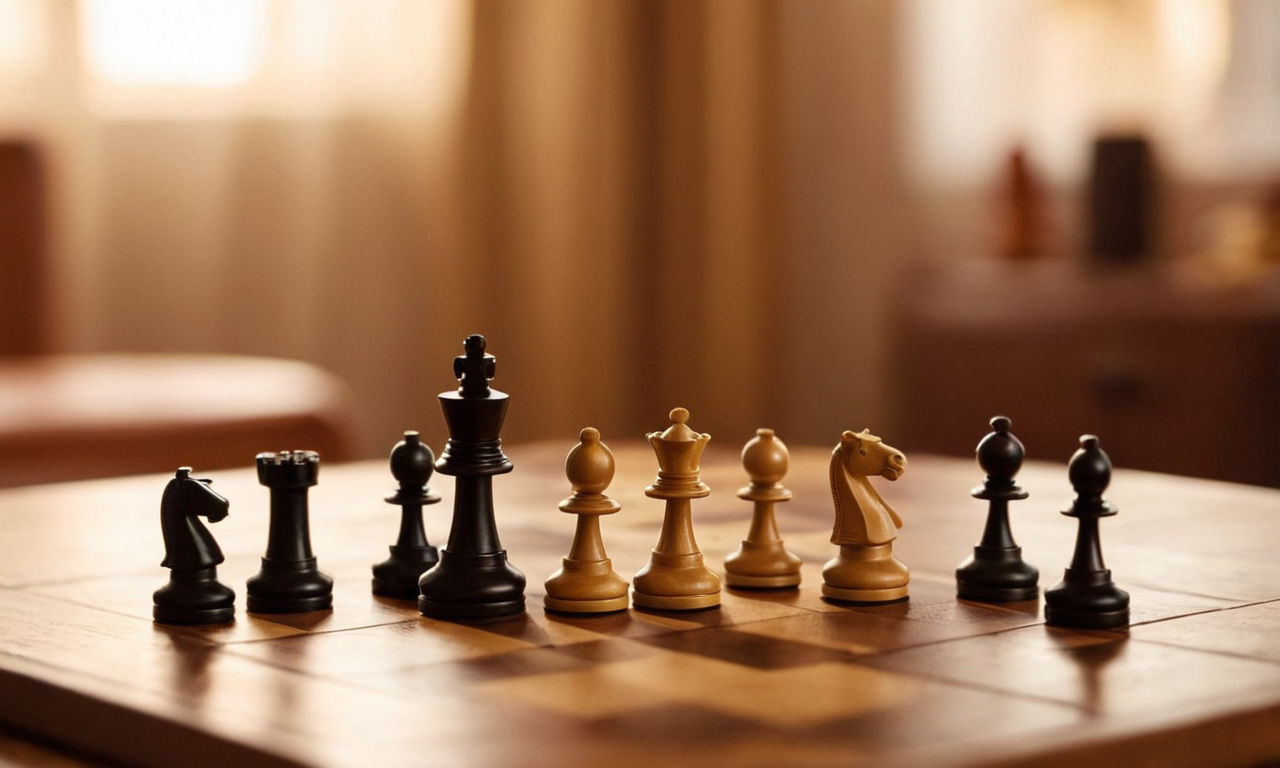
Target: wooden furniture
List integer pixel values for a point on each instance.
(23, 294)
(72, 416)
(65, 417)
(1175, 375)
(768, 678)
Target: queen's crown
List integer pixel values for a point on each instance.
(679, 451)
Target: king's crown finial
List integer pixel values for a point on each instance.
(475, 368)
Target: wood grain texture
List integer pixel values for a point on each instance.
(768, 678)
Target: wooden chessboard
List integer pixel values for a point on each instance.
(770, 678)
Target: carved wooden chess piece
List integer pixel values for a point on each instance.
(411, 556)
(586, 582)
(995, 572)
(289, 581)
(473, 579)
(193, 595)
(675, 579)
(1086, 598)
(865, 570)
(762, 560)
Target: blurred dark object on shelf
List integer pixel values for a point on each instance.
(1175, 375)
(1021, 210)
(1121, 200)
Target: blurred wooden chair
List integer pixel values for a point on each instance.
(71, 416)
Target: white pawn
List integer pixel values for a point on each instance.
(762, 561)
(586, 582)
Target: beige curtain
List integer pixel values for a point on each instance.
(642, 204)
(681, 203)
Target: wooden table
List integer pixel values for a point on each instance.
(768, 679)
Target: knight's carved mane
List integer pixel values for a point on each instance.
(863, 518)
(187, 543)
(842, 495)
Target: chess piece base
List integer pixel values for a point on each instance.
(1086, 600)
(675, 583)
(192, 616)
(1061, 617)
(864, 596)
(194, 597)
(675, 602)
(586, 586)
(289, 587)
(289, 604)
(455, 611)
(982, 594)
(744, 581)
(762, 565)
(996, 575)
(604, 605)
(398, 575)
(466, 586)
(865, 575)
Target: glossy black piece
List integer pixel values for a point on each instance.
(473, 579)
(289, 581)
(193, 595)
(1086, 598)
(995, 572)
(397, 576)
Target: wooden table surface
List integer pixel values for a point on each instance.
(767, 679)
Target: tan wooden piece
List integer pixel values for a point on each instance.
(585, 581)
(770, 678)
(762, 559)
(675, 578)
(864, 570)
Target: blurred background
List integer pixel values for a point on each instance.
(811, 215)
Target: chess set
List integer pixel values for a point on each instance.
(790, 630)
(472, 579)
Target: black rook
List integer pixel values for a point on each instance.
(289, 581)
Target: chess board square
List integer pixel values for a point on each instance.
(863, 630)
(378, 648)
(1252, 631)
(539, 661)
(1101, 672)
(746, 648)
(130, 595)
(789, 696)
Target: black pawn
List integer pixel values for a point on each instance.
(193, 595)
(397, 576)
(289, 581)
(995, 573)
(1086, 598)
(473, 579)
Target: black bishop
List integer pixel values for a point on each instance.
(1086, 598)
(995, 572)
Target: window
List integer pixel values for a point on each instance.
(206, 43)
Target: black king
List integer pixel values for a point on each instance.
(473, 579)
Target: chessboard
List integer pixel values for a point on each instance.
(769, 678)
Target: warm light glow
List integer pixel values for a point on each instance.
(214, 59)
(1052, 74)
(23, 35)
(1197, 39)
(208, 43)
